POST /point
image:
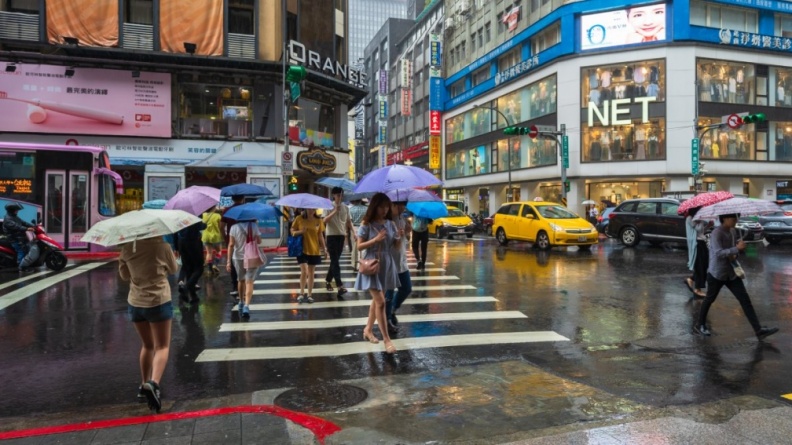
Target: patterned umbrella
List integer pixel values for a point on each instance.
(743, 206)
(703, 199)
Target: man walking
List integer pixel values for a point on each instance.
(722, 254)
(337, 224)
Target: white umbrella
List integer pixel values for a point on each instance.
(588, 202)
(138, 224)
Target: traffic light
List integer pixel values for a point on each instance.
(293, 184)
(754, 118)
(516, 130)
(567, 186)
(296, 74)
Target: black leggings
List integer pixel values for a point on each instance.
(420, 239)
(737, 287)
(335, 246)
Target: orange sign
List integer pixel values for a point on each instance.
(434, 152)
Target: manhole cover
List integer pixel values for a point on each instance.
(321, 398)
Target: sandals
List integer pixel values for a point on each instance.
(689, 283)
(389, 348)
(370, 337)
(699, 293)
(329, 286)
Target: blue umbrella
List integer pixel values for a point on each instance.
(412, 195)
(245, 190)
(344, 183)
(155, 204)
(428, 209)
(305, 201)
(252, 211)
(394, 177)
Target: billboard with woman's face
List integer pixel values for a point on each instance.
(637, 24)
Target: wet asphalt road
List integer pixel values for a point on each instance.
(625, 311)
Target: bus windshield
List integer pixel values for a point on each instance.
(107, 196)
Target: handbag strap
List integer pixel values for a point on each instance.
(250, 232)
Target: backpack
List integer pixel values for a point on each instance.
(420, 224)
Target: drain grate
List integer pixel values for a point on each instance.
(321, 398)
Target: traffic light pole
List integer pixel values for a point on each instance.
(509, 193)
(554, 135)
(285, 55)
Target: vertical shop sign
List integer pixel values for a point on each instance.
(436, 94)
(383, 156)
(435, 52)
(434, 152)
(406, 74)
(434, 122)
(383, 82)
(406, 108)
(383, 134)
(383, 110)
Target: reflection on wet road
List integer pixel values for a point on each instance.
(625, 311)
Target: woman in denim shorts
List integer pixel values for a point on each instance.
(146, 264)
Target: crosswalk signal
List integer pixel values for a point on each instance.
(293, 184)
(516, 130)
(567, 186)
(754, 118)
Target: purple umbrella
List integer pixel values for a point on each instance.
(413, 195)
(394, 177)
(194, 200)
(305, 201)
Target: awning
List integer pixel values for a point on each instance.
(239, 155)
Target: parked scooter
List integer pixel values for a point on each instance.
(43, 250)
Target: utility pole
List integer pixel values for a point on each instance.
(285, 90)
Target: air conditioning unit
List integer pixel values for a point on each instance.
(463, 7)
(450, 23)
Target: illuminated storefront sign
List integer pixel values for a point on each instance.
(406, 102)
(310, 59)
(383, 82)
(435, 51)
(434, 152)
(516, 70)
(611, 110)
(435, 122)
(636, 24)
(316, 161)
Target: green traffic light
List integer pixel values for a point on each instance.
(754, 118)
(296, 73)
(510, 130)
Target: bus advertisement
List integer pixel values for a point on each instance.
(67, 188)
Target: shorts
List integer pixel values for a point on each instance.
(244, 274)
(154, 314)
(311, 260)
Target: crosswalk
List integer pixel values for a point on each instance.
(442, 312)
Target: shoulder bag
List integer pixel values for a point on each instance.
(253, 257)
(370, 266)
(738, 269)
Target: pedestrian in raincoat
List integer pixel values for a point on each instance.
(698, 253)
(212, 239)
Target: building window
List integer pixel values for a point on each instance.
(139, 11)
(462, 52)
(529, 102)
(240, 17)
(726, 82)
(481, 75)
(473, 42)
(509, 59)
(628, 80)
(713, 15)
(481, 37)
(636, 141)
(546, 38)
(458, 88)
(534, 5)
(23, 6)
(487, 32)
(783, 25)
(738, 144)
(781, 94)
(215, 110)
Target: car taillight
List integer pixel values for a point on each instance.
(787, 213)
(599, 219)
(612, 215)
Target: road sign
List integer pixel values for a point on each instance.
(295, 91)
(534, 132)
(546, 128)
(287, 163)
(734, 121)
(565, 151)
(694, 156)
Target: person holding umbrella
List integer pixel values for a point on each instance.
(722, 255)
(238, 236)
(311, 227)
(225, 229)
(378, 236)
(698, 253)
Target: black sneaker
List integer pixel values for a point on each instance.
(152, 392)
(703, 330)
(394, 320)
(141, 395)
(763, 333)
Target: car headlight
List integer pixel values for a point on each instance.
(556, 227)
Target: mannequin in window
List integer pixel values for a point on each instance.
(731, 146)
(593, 79)
(780, 94)
(705, 85)
(639, 74)
(732, 89)
(640, 142)
(605, 78)
(617, 150)
(706, 148)
(605, 141)
(654, 145)
(595, 151)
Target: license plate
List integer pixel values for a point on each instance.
(460, 230)
(774, 224)
(582, 239)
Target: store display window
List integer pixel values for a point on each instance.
(726, 82)
(468, 162)
(727, 143)
(312, 123)
(781, 142)
(638, 141)
(475, 122)
(781, 90)
(215, 110)
(623, 81)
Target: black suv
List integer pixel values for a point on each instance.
(652, 219)
(778, 226)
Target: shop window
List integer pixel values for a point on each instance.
(481, 75)
(23, 6)
(781, 135)
(783, 25)
(781, 93)
(637, 141)
(546, 38)
(727, 82)
(738, 144)
(623, 81)
(312, 122)
(509, 59)
(139, 11)
(240, 17)
(215, 110)
(713, 15)
(468, 162)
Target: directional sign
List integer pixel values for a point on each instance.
(734, 121)
(287, 163)
(545, 128)
(534, 132)
(565, 151)
(694, 156)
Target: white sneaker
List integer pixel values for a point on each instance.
(301, 299)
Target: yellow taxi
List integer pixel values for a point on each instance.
(456, 223)
(546, 224)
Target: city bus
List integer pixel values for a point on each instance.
(66, 188)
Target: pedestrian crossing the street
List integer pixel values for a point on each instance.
(442, 312)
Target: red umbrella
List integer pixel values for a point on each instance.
(703, 199)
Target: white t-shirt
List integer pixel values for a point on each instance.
(239, 232)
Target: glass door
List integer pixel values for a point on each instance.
(78, 209)
(54, 210)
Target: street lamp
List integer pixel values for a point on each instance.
(508, 148)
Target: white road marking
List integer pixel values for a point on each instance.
(358, 303)
(346, 322)
(364, 347)
(343, 272)
(38, 286)
(25, 278)
(324, 266)
(319, 284)
(325, 291)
